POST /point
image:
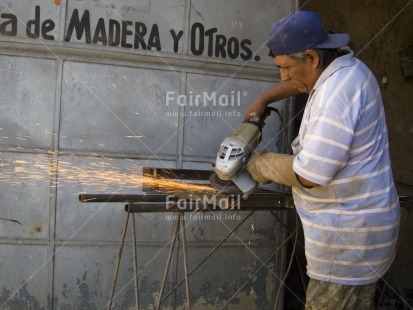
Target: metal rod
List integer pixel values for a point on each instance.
(258, 197)
(155, 207)
(135, 262)
(185, 254)
(121, 198)
(181, 174)
(168, 263)
(115, 276)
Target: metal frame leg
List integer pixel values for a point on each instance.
(115, 276)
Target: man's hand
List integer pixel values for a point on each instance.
(252, 168)
(255, 110)
(265, 167)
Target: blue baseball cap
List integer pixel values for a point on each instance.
(300, 31)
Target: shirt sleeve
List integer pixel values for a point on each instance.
(329, 132)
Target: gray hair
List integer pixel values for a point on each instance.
(326, 56)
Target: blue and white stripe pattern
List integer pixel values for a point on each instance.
(351, 221)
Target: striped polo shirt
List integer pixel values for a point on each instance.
(351, 220)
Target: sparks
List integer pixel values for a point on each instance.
(95, 171)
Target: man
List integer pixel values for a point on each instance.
(340, 172)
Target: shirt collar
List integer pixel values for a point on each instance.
(346, 60)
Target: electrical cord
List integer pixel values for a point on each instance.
(296, 215)
(290, 263)
(403, 184)
(283, 127)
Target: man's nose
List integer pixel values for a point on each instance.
(285, 76)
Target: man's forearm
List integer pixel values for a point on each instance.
(278, 92)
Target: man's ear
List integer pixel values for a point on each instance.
(313, 58)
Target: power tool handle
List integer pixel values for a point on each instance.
(261, 122)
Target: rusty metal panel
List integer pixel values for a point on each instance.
(23, 276)
(27, 102)
(84, 276)
(24, 195)
(117, 109)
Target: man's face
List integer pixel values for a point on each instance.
(302, 75)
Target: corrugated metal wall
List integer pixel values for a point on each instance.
(103, 88)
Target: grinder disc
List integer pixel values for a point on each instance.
(217, 183)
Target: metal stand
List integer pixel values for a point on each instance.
(135, 263)
(156, 203)
(256, 202)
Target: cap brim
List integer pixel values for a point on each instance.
(335, 40)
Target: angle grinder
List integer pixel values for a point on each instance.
(230, 173)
